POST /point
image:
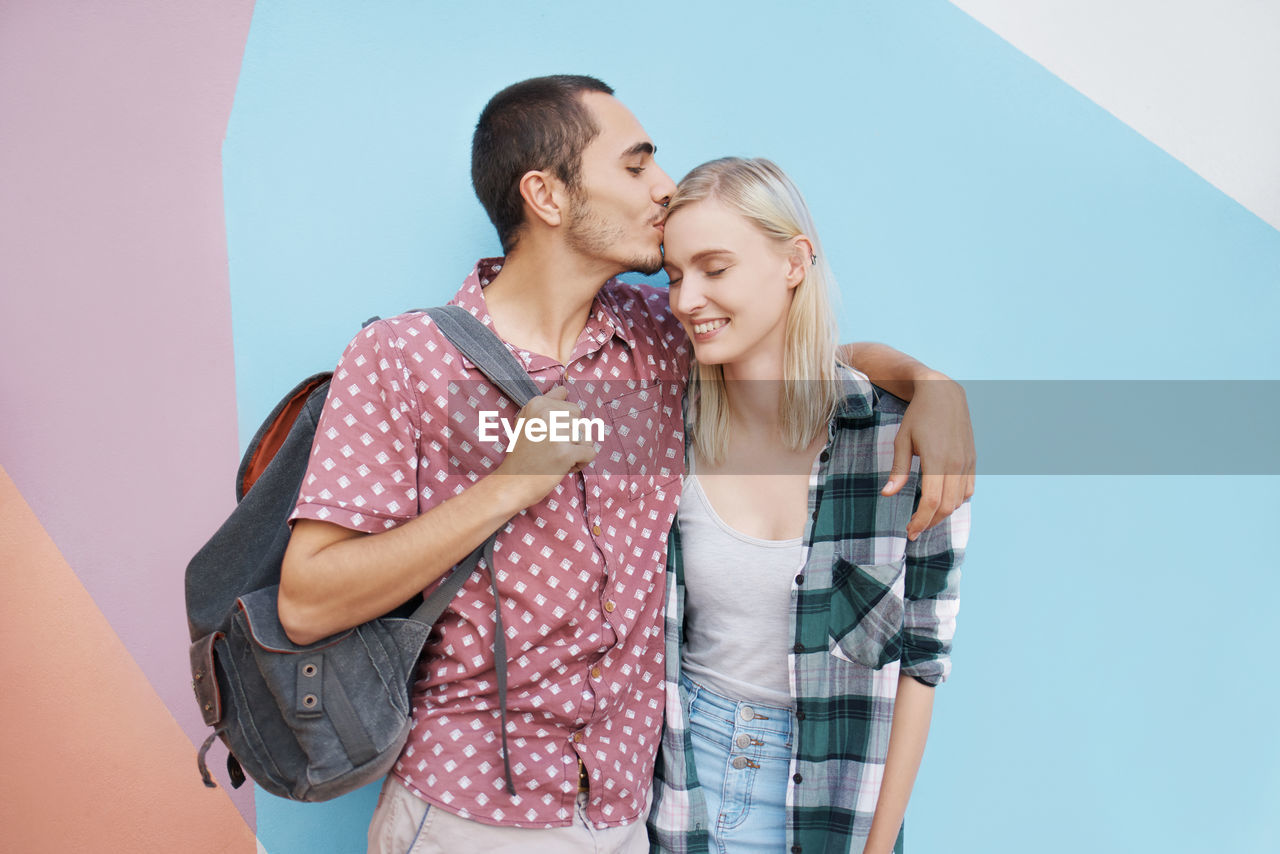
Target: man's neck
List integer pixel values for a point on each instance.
(541, 299)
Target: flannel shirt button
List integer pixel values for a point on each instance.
(795, 849)
(797, 649)
(798, 778)
(800, 579)
(824, 456)
(815, 515)
(799, 715)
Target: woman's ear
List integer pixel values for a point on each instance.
(544, 197)
(799, 260)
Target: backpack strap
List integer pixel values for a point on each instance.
(486, 350)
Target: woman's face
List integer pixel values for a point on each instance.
(731, 286)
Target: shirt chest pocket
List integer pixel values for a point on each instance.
(632, 447)
(866, 614)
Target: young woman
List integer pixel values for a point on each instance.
(805, 632)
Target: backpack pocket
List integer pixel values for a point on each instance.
(204, 679)
(866, 614)
(321, 719)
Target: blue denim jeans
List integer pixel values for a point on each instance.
(742, 752)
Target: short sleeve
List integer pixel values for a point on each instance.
(364, 461)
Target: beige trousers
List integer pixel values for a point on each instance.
(405, 824)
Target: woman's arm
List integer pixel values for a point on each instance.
(931, 601)
(912, 711)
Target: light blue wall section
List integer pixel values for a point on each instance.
(1111, 689)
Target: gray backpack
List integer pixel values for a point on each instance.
(314, 722)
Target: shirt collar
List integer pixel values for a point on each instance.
(603, 321)
(857, 396)
(605, 314)
(471, 297)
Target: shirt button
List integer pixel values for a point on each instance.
(824, 456)
(609, 606)
(595, 529)
(595, 673)
(795, 849)
(747, 713)
(798, 648)
(799, 714)
(800, 579)
(815, 515)
(577, 738)
(798, 778)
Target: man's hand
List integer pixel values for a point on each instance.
(936, 428)
(536, 467)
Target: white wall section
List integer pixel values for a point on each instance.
(1199, 79)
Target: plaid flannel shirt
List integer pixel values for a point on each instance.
(867, 606)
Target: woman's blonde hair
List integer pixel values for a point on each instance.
(763, 194)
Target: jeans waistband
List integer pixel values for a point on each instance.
(740, 713)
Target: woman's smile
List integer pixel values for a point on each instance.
(706, 330)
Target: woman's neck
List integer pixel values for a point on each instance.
(753, 388)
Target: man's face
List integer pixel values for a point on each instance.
(616, 214)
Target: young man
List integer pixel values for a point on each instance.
(400, 488)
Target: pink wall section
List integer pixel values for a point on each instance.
(117, 399)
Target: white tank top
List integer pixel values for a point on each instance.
(737, 610)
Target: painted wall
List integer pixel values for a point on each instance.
(1110, 688)
(118, 426)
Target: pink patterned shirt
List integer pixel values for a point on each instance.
(581, 574)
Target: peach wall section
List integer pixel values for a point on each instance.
(93, 759)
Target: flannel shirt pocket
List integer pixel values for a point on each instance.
(866, 615)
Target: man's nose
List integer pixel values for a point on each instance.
(664, 188)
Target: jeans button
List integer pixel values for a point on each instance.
(747, 713)
(739, 762)
(743, 740)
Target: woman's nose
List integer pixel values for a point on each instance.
(687, 297)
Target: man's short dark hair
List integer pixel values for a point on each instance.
(537, 124)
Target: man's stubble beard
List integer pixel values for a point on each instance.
(591, 235)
